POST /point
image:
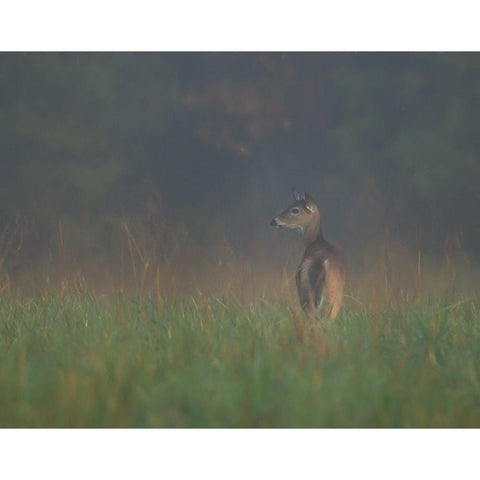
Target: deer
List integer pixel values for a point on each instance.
(322, 273)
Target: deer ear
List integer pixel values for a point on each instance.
(309, 202)
(296, 195)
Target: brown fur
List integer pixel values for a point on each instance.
(321, 274)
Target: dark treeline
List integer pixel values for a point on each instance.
(213, 144)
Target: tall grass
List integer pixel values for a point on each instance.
(190, 342)
(85, 360)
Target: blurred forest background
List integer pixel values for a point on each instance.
(163, 170)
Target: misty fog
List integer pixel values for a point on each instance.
(162, 171)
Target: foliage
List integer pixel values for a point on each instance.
(384, 141)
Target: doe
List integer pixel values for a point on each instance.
(322, 272)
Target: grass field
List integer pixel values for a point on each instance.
(120, 361)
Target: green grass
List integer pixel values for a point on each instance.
(127, 362)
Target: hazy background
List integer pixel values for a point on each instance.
(163, 170)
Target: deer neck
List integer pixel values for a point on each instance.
(313, 231)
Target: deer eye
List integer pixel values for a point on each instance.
(295, 211)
